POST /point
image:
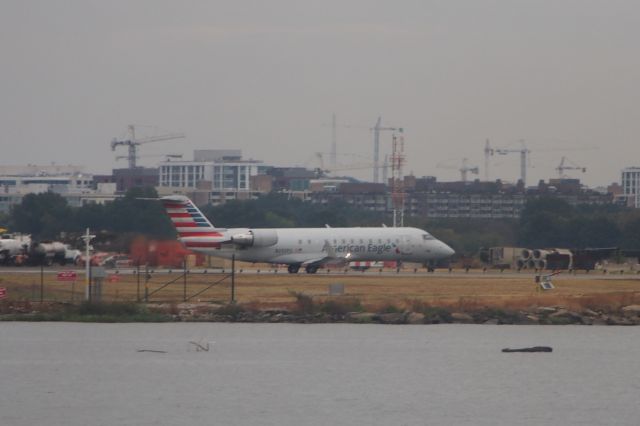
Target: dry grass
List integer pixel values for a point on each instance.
(464, 293)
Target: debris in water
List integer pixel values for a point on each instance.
(152, 350)
(531, 349)
(200, 347)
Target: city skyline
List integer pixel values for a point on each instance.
(266, 78)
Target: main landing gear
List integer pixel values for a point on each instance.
(293, 269)
(311, 269)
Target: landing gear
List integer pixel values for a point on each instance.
(293, 269)
(311, 269)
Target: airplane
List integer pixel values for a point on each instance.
(310, 248)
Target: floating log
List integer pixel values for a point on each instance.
(531, 349)
(152, 350)
(200, 347)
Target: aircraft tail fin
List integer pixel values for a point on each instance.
(187, 218)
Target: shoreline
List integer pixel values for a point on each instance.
(307, 311)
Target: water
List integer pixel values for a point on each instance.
(344, 374)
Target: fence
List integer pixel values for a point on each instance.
(129, 285)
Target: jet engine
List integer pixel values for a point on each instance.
(256, 238)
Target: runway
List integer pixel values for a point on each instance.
(385, 273)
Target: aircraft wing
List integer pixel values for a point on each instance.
(327, 256)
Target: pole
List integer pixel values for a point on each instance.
(87, 262)
(233, 278)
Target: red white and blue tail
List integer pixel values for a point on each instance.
(193, 228)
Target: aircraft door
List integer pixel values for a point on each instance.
(407, 245)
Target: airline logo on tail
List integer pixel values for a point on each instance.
(193, 228)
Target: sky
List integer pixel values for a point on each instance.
(266, 76)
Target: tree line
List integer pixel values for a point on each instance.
(48, 216)
(545, 222)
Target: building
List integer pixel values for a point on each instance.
(213, 177)
(426, 197)
(631, 186)
(71, 182)
(291, 179)
(492, 200)
(126, 179)
(461, 205)
(368, 196)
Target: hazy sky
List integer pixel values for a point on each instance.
(264, 76)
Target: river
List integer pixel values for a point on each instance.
(291, 374)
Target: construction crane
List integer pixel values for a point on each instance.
(488, 152)
(322, 171)
(376, 146)
(464, 169)
(572, 166)
(523, 151)
(167, 157)
(334, 136)
(132, 143)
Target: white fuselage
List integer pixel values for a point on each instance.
(301, 245)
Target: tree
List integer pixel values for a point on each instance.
(631, 234)
(551, 222)
(467, 236)
(133, 214)
(278, 211)
(43, 215)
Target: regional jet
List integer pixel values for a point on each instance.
(310, 248)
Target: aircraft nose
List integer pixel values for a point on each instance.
(446, 250)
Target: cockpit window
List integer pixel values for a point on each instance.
(427, 237)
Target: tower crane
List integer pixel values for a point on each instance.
(167, 157)
(132, 143)
(322, 170)
(464, 169)
(467, 169)
(572, 166)
(334, 136)
(488, 152)
(376, 147)
(523, 151)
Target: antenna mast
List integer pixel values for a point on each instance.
(397, 182)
